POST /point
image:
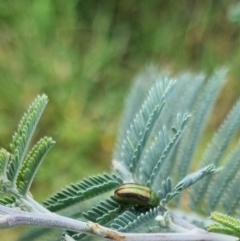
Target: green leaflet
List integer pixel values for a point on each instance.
(128, 222)
(22, 137)
(104, 212)
(159, 152)
(225, 224)
(85, 189)
(4, 159)
(221, 185)
(231, 199)
(8, 201)
(215, 151)
(166, 194)
(140, 129)
(145, 155)
(135, 98)
(32, 163)
(218, 228)
(200, 113)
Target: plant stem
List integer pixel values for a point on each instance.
(12, 218)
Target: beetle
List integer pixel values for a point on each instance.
(133, 194)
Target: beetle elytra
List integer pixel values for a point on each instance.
(136, 195)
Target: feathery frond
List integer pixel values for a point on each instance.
(140, 129)
(216, 149)
(155, 155)
(135, 98)
(22, 137)
(160, 150)
(226, 224)
(219, 228)
(123, 220)
(4, 159)
(183, 98)
(195, 128)
(32, 163)
(129, 222)
(104, 212)
(146, 152)
(166, 191)
(85, 189)
(166, 194)
(178, 129)
(219, 186)
(8, 201)
(231, 199)
(191, 179)
(223, 136)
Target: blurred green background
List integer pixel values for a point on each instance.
(84, 54)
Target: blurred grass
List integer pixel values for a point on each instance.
(83, 55)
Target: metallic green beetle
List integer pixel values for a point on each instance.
(136, 195)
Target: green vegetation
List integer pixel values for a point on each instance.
(83, 55)
(155, 147)
(224, 224)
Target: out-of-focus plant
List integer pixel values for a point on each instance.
(234, 13)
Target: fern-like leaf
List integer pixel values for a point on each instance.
(123, 220)
(183, 98)
(154, 154)
(8, 201)
(219, 186)
(159, 152)
(201, 112)
(4, 159)
(226, 224)
(22, 137)
(128, 222)
(219, 228)
(215, 151)
(178, 130)
(140, 87)
(85, 189)
(104, 212)
(32, 163)
(140, 129)
(191, 179)
(231, 198)
(166, 194)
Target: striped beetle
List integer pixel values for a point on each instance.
(136, 195)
